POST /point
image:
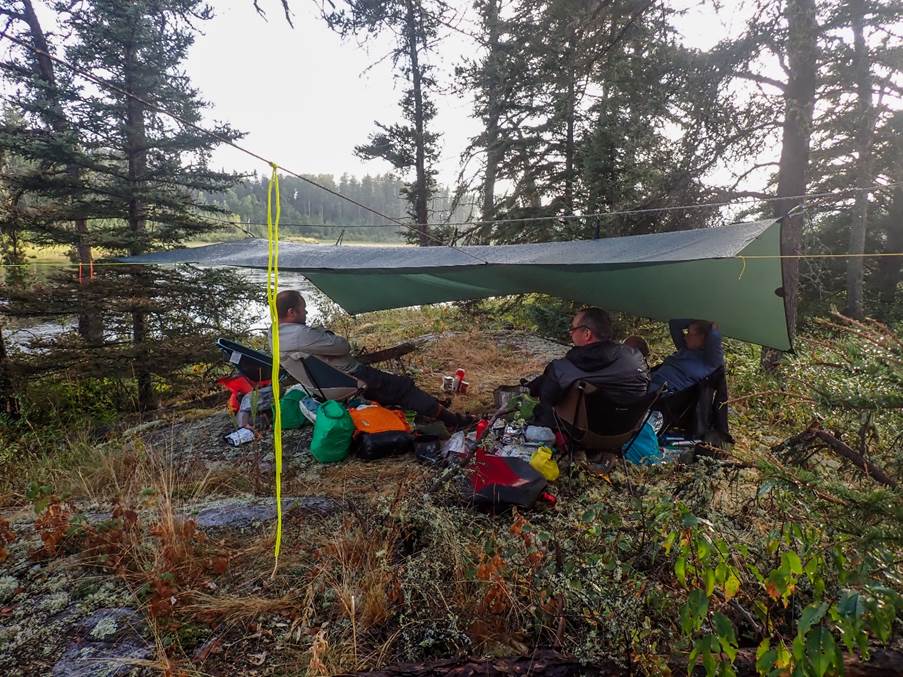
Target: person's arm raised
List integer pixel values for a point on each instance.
(677, 332)
(714, 350)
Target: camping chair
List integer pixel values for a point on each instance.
(596, 423)
(253, 364)
(320, 380)
(699, 412)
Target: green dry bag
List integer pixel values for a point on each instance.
(291, 409)
(332, 433)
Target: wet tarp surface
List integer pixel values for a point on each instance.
(702, 273)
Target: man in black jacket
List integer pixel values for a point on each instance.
(619, 370)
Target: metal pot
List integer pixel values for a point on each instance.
(504, 394)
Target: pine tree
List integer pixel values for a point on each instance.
(856, 126)
(574, 97)
(412, 145)
(139, 188)
(51, 182)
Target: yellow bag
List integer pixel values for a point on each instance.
(544, 464)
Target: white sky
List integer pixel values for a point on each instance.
(306, 97)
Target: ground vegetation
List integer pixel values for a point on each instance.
(779, 555)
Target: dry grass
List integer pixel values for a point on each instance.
(358, 480)
(488, 364)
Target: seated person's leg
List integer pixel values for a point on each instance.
(391, 389)
(264, 400)
(544, 415)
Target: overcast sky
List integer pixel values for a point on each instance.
(306, 97)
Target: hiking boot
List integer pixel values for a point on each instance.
(454, 421)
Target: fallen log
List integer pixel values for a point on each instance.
(854, 457)
(816, 435)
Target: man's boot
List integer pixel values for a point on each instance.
(454, 421)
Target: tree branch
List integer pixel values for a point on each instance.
(762, 80)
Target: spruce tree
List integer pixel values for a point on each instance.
(150, 167)
(140, 187)
(411, 145)
(47, 192)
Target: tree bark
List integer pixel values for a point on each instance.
(9, 404)
(421, 184)
(90, 326)
(863, 173)
(136, 152)
(492, 86)
(799, 101)
(889, 268)
(570, 112)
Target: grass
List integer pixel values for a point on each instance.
(405, 572)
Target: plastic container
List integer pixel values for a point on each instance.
(290, 404)
(538, 433)
(459, 379)
(332, 433)
(543, 463)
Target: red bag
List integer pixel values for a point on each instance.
(240, 386)
(500, 482)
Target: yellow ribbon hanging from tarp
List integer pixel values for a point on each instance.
(272, 291)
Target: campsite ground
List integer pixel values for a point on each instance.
(151, 542)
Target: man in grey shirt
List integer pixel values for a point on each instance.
(387, 389)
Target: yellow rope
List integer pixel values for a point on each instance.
(272, 292)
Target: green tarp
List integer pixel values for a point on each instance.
(708, 273)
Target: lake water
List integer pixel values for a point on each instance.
(18, 336)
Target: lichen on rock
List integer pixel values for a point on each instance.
(8, 587)
(104, 628)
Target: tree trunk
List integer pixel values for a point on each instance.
(492, 85)
(9, 404)
(799, 100)
(889, 267)
(136, 152)
(863, 174)
(421, 184)
(90, 325)
(570, 112)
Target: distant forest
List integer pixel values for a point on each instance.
(308, 211)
